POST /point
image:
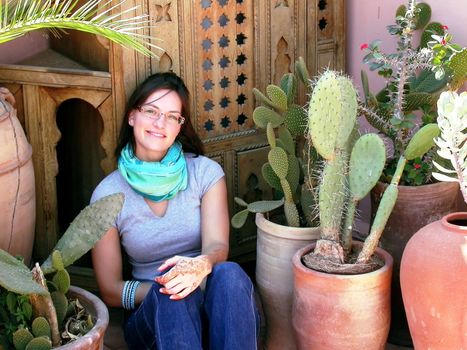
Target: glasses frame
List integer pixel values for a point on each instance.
(181, 119)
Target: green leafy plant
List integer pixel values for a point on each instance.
(39, 307)
(452, 144)
(18, 17)
(285, 123)
(415, 77)
(353, 165)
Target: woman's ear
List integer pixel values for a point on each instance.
(131, 119)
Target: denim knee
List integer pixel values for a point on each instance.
(229, 275)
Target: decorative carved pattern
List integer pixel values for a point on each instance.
(282, 62)
(224, 73)
(165, 63)
(162, 13)
(326, 20)
(282, 3)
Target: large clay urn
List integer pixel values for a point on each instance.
(416, 206)
(276, 245)
(17, 199)
(335, 312)
(434, 284)
(94, 339)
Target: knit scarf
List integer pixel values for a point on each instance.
(156, 181)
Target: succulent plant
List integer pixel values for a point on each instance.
(353, 165)
(452, 145)
(51, 308)
(285, 123)
(415, 77)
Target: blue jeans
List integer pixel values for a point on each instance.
(223, 317)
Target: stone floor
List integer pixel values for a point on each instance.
(114, 335)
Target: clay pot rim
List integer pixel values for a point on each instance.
(432, 186)
(283, 231)
(445, 221)
(387, 258)
(102, 315)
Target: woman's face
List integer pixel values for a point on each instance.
(155, 133)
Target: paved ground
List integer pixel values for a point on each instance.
(114, 335)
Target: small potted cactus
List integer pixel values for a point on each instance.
(288, 223)
(40, 313)
(342, 288)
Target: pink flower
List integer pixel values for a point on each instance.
(417, 166)
(445, 27)
(363, 46)
(443, 42)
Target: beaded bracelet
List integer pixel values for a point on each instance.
(129, 294)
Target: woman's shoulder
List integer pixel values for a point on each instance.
(201, 163)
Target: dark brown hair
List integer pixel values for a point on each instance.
(167, 80)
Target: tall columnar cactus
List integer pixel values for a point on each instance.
(346, 179)
(284, 122)
(85, 230)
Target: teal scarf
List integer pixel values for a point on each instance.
(156, 181)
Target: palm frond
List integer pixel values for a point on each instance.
(18, 17)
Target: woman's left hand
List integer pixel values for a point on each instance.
(185, 276)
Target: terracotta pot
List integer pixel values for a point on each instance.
(18, 196)
(349, 312)
(416, 206)
(434, 284)
(276, 244)
(94, 339)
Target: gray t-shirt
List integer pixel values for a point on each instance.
(148, 239)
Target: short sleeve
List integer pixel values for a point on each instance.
(208, 172)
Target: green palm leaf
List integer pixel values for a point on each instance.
(18, 17)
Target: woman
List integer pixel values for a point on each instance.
(174, 227)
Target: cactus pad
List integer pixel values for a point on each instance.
(287, 140)
(430, 29)
(271, 135)
(262, 98)
(332, 113)
(39, 343)
(366, 165)
(270, 176)
(422, 141)
(295, 119)
(264, 115)
(277, 97)
(16, 277)
(240, 202)
(61, 305)
(57, 261)
(239, 219)
(293, 173)
(423, 15)
(264, 206)
(62, 280)
(458, 65)
(302, 71)
(279, 162)
(21, 338)
(86, 229)
(289, 85)
(40, 327)
(415, 100)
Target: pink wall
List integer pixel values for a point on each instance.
(367, 21)
(23, 47)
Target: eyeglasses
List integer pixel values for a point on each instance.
(154, 113)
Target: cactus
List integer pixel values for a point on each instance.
(51, 308)
(285, 123)
(346, 179)
(415, 77)
(21, 338)
(40, 327)
(39, 343)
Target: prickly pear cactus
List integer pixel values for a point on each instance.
(86, 229)
(285, 122)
